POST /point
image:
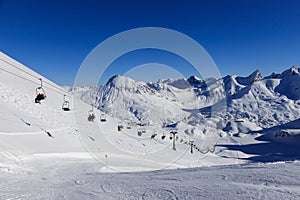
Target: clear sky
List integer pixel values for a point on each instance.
(53, 37)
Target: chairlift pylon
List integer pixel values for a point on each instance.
(66, 104)
(40, 93)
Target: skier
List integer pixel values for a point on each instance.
(39, 97)
(91, 117)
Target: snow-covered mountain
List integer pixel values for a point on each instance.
(265, 102)
(126, 99)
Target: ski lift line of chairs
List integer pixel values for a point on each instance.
(203, 151)
(41, 95)
(171, 137)
(141, 131)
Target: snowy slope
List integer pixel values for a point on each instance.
(18, 90)
(28, 128)
(82, 180)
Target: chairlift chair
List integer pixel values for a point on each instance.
(66, 104)
(103, 118)
(40, 93)
(120, 126)
(139, 133)
(91, 116)
(153, 136)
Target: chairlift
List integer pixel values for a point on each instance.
(238, 120)
(139, 133)
(40, 93)
(103, 118)
(153, 136)
(120, 126)
(91, 116)
(66, 104)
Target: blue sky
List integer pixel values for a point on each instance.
(54, 37)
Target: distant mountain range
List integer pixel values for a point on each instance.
(259, 102)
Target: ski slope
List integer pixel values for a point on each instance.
(47, 153)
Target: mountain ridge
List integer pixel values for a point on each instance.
(195, 93)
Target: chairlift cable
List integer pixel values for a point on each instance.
(39, 79)
(31, 81)
(16, 67)
(17, 76)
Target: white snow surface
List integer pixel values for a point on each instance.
(43, 151)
